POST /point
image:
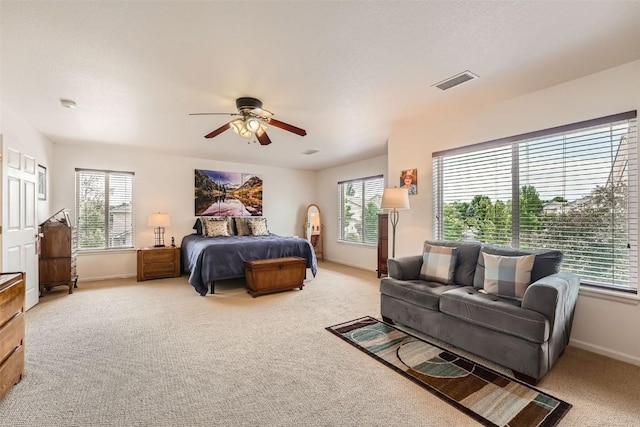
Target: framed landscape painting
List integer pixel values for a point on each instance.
(227, 193)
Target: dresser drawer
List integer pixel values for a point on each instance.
(11, 371)
(158, 256)
(11, 300)
(11, 335)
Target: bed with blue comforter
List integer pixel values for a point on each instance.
(208, 259)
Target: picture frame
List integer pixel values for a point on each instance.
(42, 182)
(409, 180)
(67, 218)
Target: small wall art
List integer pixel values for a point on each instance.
(409, 180)
(42, 183)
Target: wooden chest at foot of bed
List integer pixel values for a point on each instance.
(274, 275)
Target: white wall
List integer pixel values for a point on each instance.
(603, 326)
(166, 184)
(361, 256)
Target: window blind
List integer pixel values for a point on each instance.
(359, 204)
(573, 188)
(104, 209)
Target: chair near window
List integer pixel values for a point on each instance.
(314, 229)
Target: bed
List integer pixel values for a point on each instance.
(208, 259)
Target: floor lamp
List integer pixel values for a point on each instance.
(395, 199)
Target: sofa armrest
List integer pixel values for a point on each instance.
(555, 296)
(405, 268)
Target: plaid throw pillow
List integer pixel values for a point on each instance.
(258, 227)
(215, 227)
(438, 264)
(507, 276)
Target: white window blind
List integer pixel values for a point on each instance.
(359, 204)
(573, 188)
(104, 209)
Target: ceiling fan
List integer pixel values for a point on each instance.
(253, 120)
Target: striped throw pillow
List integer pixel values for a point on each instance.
(438, 264)
(507, 276)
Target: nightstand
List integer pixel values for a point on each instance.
(158, 263)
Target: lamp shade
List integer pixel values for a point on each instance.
(159, 220)
(395, 198)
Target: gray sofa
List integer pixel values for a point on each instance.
(526, 336)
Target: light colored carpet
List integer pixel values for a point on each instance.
(122, 353)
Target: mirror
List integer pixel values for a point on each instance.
(313, 229)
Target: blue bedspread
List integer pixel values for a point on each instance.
(208, 259)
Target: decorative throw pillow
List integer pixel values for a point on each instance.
(215, 227)
(258, 227)
(242, 226)
(507, 276)
(438, 264)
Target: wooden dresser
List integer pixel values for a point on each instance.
(383, 243)
(11, 330)
(58, 255)
(158, 263)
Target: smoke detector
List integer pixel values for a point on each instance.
(67, 103)
(456, 80)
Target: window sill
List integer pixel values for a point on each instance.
(366, 245)
(632, 299)
(105, 251)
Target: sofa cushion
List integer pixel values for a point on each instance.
(438, 264)
(545, 264)
(495, 313)
(418, 292)
(507, 276)
(466, 261)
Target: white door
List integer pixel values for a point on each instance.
(19, 228)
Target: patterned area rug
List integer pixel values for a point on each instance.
(485, 395)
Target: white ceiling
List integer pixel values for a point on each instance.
(347, 72)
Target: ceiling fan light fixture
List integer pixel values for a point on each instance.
(252, 124)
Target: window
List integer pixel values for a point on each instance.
(104, 209)
(573, 188)
(359, 204)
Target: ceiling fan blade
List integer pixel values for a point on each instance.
(218, 131)
(286, 126)
(263, 138)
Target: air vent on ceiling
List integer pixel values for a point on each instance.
(310, 152)
(456, 80)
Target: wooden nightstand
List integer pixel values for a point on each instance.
(158, 263)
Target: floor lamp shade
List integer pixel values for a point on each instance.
(159, 221)
(395, 199)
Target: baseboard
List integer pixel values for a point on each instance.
(367, 267)
(99, 278)
(634, 360)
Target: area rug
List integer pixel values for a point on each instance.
(482, 393)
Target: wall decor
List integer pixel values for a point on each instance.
(409, 180)
(227, 193)
(42, 183)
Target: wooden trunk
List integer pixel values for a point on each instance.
(274, 275)
(11, 330)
